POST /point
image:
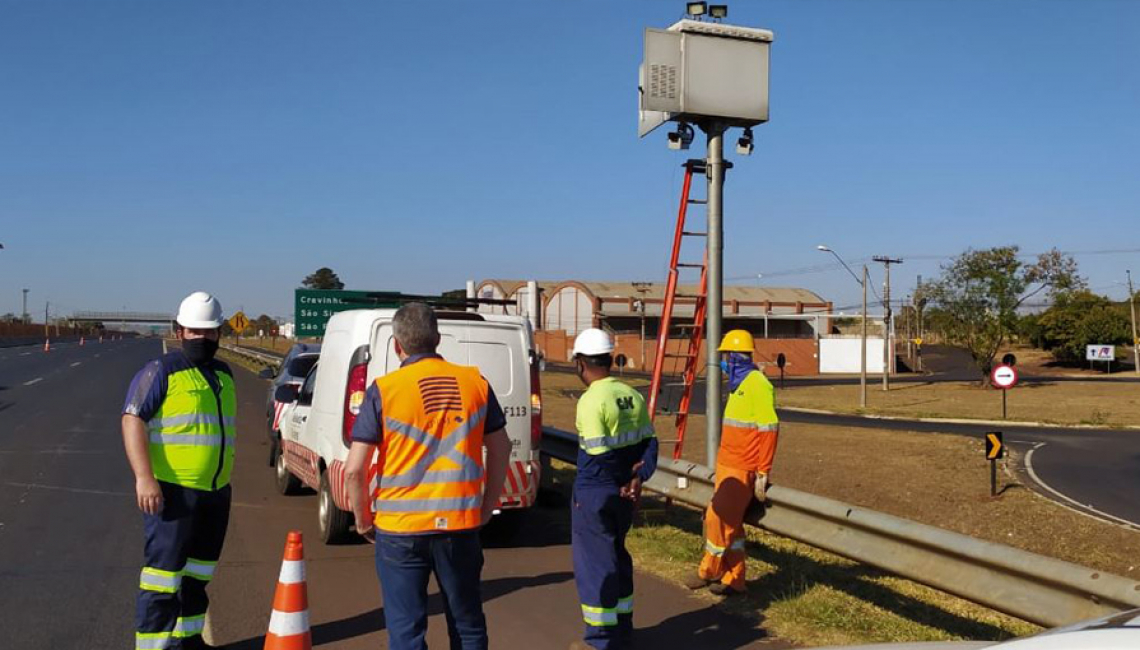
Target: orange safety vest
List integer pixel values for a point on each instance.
(430, 461)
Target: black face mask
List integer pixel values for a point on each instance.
(199, 351)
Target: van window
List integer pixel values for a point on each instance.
(495, 361)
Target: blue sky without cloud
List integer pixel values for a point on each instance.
(154, 148)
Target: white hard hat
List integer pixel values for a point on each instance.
(200, 310)
(592, 342)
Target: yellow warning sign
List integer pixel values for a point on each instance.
(239, 322)
(994, 447)
(918, 341)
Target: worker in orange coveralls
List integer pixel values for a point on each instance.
(747, 446)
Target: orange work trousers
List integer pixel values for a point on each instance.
(724, 527)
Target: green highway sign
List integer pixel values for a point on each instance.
(314, 307)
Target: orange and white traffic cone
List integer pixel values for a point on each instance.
(289, 623)
(47, 345)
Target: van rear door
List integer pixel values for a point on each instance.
(501, 351)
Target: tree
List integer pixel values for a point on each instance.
(1078, 319)
(976, 299)
(322, 278)
(264, 324)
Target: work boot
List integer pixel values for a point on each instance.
(721, 589)
(696, 582)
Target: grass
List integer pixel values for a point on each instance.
(1070, 402)
(806, 595)
(809, 596)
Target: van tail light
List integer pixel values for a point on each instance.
(354, 392)
(535, 407)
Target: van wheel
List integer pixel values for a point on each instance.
(287, 484)
(335, 523)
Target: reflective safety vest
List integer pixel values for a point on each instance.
(750, 426)
(611, 415)
(430, 456)
(192, 433)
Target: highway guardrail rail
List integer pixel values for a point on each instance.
(1036, 588)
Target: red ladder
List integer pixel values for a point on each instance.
(673, 370)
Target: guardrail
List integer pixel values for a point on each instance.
(261, 356)
(1032, 587)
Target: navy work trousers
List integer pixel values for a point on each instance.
(405, 562)
(603, 569)
(183, 544)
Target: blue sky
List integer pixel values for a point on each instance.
(150, 149)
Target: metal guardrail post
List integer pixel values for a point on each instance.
(1033, 587)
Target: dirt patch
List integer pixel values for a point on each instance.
(1071, 402)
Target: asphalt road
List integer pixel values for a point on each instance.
(71, 540)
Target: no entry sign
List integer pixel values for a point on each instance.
(1003, 377)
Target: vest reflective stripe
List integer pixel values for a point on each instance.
(166, 582)
(600, 616)
(617, 441)
(199, 569)
(192, 434)
(191, 439)
(190, 419)
(419, 474)
(189, 626)
(625, 605)
(429, 505)
(773, 427)
(153, 640)
(430, 458)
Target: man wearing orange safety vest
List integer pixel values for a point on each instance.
(428, 424)
(747, 446)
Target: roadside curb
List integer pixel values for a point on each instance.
(996, 423)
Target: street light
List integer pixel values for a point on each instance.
(863, 350)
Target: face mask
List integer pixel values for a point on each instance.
(199, 350)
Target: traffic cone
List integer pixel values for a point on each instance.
(100, 338)
(289, 624)
(47, 345)
(81, 341)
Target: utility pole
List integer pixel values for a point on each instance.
(714, 169)
(863, 348)
(1135, 341)
(888, 351)
(24, 313)
(47, 306)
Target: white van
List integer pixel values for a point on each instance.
(358, 346)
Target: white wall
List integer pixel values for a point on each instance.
(569, 309)
(841, 355)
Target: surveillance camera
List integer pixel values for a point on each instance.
(681, 138)
(744, 147)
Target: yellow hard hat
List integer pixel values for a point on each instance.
(737, 341)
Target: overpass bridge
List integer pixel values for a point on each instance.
(121, 317)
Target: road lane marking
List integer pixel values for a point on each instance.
(41, 486)
(34, 381)
(25, 354)
(1080, 507)
(76, 364)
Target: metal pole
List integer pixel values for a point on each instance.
(1135, 341)
(24, 314)
(863, 349)
(641, 304)
(887, 351)
(714, 169)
